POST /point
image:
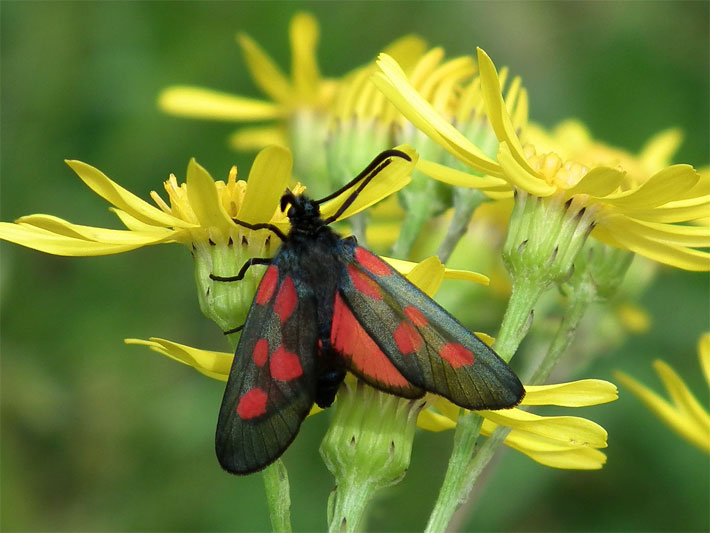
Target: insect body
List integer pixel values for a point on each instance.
(326, 306)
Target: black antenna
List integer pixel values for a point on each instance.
(364, 174)
(382, 161)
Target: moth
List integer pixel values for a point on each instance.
(326, 306)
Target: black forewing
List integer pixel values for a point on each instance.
(248, 442)
(486, 383)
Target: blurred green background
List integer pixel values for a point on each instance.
(100, 436)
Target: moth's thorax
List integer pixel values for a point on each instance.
(304, 215)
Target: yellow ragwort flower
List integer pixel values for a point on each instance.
(556, 441)
(200, 210)
(200, 215)
(684, 413)
(641, 215)
(306, 92)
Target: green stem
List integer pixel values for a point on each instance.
(475, 467)
(417, 215)
(518, 316)
(573, 314)
(465, 466)
(351, 499)
(467, 431)
(277, 496)
(459, 224)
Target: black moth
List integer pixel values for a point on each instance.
(326, 306)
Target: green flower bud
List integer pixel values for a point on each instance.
(367, 447)
(544, 238)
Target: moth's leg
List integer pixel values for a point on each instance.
(242, 271)
(234, 330)
(280, 234)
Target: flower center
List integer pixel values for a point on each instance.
(562, 174)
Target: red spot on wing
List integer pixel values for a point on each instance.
(372, 263)
(252, 404)
(286, 300)
(285, 365)
(350, 339)
(364, 284)
(267, 285)
(407, 338)
(415, 315)
(261, 352)
(456, 355)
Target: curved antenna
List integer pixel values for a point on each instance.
(370, 172)
(287, 198)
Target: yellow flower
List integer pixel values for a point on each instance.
(684, 413)
(200, 216)
(556, 441)
(299, 109)
(200, 210)
(572, 141)
(305, 91)
(360, 118)
(640, 215)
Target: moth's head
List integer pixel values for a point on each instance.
(301, 207)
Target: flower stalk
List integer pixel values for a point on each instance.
(367, 447)
(278, 496)
(453, 491)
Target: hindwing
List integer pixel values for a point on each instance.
(429, 347)
(271, 385)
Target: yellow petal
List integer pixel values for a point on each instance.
(555, 456)
(683, 425)
(391, 179)
(665, 186)
(394, 84)
(497, 112)
(204, 200)
(44, 241)
(485, 338)
(134, 224)
(405, 267)
(634, 318)
(575, 394)
(659, 150)
(98, 182)
(704, 354)
(598, 182)
(303, 32)
(58, 226)
(678, 211)
(268, 178)
(407, 50)
(266, 74)
(213, 364)
(457, 178)
(197, 102)
(669, 254)
(466, 275)
(693, 236)
(258, 137)
(520, 176)
(427, 275)
(431, 421)
(569, 430)
(681, 396)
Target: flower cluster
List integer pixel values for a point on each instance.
(573, 212)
